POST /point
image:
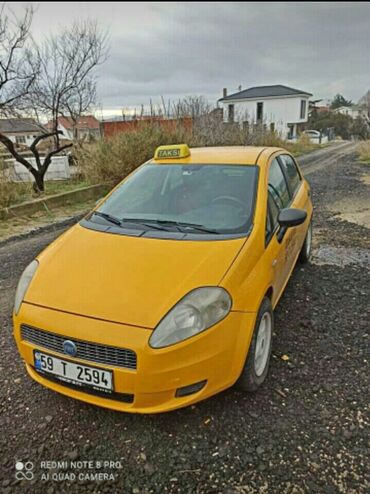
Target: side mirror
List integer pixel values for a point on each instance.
(288, 218)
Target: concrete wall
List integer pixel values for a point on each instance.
(58, 170)
(279, 111)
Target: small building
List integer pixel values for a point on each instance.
(87, 127)
(21, 131)
(353, 111)
(278, 108)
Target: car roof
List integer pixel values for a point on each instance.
(223, 155)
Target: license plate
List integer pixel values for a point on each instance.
(72, 372)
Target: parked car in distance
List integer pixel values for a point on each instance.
(163, 295)
(316, 136)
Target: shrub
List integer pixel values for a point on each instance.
(110, 160)
(10, 192)
(341, 124)
(364, 151)
(302, 145)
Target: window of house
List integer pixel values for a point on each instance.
(259, 112)
(277, 185)
(291, 172)
(272, 126)
(303, 108)
(20, 139)
(231, 113)
(290, 131)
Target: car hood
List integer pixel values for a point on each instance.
(131, 280)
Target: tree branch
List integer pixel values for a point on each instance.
(10, 147)
(48, 157)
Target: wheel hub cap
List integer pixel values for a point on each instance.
(263, 344)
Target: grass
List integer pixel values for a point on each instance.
(364, 151)
(24, 224)
(12, 193)
(301, 146)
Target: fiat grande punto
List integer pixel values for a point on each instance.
(163, 295)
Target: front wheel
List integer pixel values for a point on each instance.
(305, 254)
(257, 363)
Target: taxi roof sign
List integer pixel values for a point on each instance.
(172, 151)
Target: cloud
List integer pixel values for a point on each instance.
(175, 49)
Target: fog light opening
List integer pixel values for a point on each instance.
(191, 389)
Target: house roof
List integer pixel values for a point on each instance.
(83, 122)
(265, 92)
(19, 125)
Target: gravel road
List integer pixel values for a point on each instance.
(305, 431)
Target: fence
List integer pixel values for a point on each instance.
(58, 170)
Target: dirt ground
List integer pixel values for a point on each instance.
(305, 431)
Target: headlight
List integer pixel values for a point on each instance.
(23, 284)
(197, 311)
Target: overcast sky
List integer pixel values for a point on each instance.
(178, 48)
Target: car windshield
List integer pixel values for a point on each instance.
(193, 198)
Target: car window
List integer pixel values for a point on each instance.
(272, 214)
(277, 185)
(274, 211)
(268, 224)
(291, 172)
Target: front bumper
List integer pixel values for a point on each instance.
(216, 356)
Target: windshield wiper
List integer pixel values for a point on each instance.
(155, 224)
(146, 222)
(108, 217)
(196, 226)
(181, 225)
(119, 222)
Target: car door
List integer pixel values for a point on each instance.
(299, 198)
(278, 198)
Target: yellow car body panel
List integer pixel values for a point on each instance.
(217, 355)
(142, 277)
(113, 290)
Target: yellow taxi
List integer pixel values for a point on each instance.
(163, 295)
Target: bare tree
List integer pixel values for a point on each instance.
(61, 81)
(16, 73)
(364, 104)
(78, 102)
(42, 164)
(192, 106)
(65, 81)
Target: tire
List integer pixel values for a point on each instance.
(257, 362)
(305, 254)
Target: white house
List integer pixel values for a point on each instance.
(87, 127)
(21, 131)
(353, 111)
(280, 108)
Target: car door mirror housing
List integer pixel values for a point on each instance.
(291, 217)
(288, 218)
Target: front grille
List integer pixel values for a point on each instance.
(92, 352)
